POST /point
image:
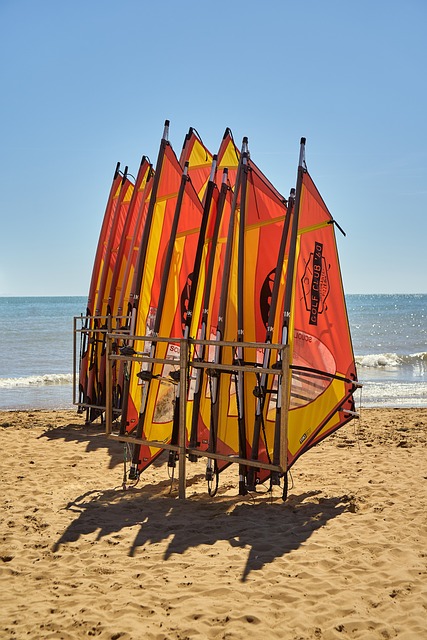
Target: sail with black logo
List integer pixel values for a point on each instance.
(323, 369)
(322, 377)
(290, 294)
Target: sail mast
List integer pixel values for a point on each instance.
(261, 389)
(211, 467)
(240, 389)
(287, 304)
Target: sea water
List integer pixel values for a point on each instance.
(36, 336)
(36, 364)
(389, 335)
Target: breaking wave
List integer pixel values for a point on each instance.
(393, 361)
(47, 379)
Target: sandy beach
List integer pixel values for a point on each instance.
(344, 557)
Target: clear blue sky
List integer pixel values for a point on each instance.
(87, 84)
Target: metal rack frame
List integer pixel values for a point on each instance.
(185, 363)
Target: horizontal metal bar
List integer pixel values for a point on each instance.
(100, 317)
(234, 367)
(199, 365)
(145, 359)
(92, 330)
(151, 443)
(86, 405)
(229, 343)
(235, 459)
(193, 341)
(155, 444)
(129, 336)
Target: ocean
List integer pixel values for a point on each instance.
(36, 334)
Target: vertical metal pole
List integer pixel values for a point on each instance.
(75, 358)
(108, 381)
(183, 364)
(285, 410)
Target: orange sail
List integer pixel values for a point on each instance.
(85, 337)
(323, 367)
(171, 237)
(206, 247)
(96, 374)
(207, 294)
(260, 224)
(124, 268)
(253, 221)
(92, 387)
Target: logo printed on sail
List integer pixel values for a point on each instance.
(315, 283)
(265, 296)
(185, 299)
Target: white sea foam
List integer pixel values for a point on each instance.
(37, 381)
(393, 394)
(392, 360)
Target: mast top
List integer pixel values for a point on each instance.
(301, 162)
(245, 145)
(213, 168)
(187, 136)
(166, 130)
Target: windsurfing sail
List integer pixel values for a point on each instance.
(95, 392)
(288, 294)
(228, 158)
(100, 257)
(323, 369)
(86, 328)
(205, 305)
(206, 287)
(215, 252)
(209, 210)
(174, 220)
(124, 269)
(322, 377)
(240, 301)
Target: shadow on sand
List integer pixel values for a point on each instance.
(270, 529)
(93, 436)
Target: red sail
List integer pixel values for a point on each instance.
(323, 367)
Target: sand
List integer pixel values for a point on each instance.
(344, 557)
